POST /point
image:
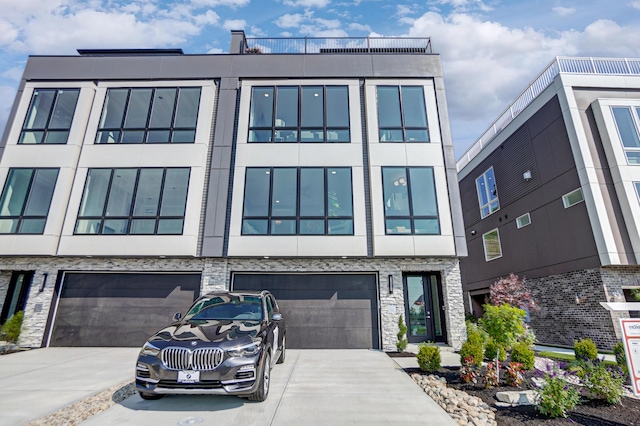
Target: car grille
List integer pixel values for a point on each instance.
(205, 384)
(187, 359)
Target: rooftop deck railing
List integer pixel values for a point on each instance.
(560, 65)
(306, 45)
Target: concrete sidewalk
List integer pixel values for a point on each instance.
(39, 382)
(312, 387)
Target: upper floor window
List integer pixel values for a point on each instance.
(492, 247)
(134, 201)
(410, 205)
(572, 198)
(298, 201)
(149, 115)
(25, 200)
(627, 123)
(402, 115)
(49, 117)
(523, 220)
(487, 193)
(637, 184)
(299, 114)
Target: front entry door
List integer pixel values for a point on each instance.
(423, 308)
(16, 298)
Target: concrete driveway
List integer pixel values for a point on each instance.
(315, 387)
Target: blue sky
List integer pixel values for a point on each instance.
(490, 49)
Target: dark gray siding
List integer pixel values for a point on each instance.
(558, 240)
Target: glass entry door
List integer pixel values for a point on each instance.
(16, 295)
(423, 308)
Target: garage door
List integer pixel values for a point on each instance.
(322, 311)
(119, 309)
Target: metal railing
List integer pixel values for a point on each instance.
(305, 45)
(560, 65)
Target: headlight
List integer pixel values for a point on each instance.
(245, 350)
(149, 349)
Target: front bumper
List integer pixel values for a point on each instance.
(234, 376)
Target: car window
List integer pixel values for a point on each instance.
(269, 307)
(227, 308)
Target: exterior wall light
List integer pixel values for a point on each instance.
(527, 175)
(390, 284)
(44, 281)
(579, 298)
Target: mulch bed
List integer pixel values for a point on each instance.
(589, 412)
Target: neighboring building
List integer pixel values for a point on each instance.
(551, 192)
(135, 180)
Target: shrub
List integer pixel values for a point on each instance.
(523, 353)
(491, 376)
(428, 357)
(514, 375)
(472, 350)
(603, 382)
(555, 396)
(11, 329)
(475, 334)
(512, 290)
(469, 370)
(402, 333)
(504, 324)
(585, 350)
(493, 350)
(621, 357)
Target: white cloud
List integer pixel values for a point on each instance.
(462, 5)
(289, 20)
(307, 3)
(404, 10)
(208, 18)
(8, 33)
(564, 11)
(359, 27)
(234, 24)
(7, 94)
(14, 73)
(635, 4)
(329, 23)
(215, 50)
(212, 3)
(256, 31)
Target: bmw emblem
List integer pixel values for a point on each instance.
(194, 343)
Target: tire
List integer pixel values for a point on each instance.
(265, 380)
(284, 350)
(150, 396)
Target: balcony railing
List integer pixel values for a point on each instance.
(307, 45)
(560, 65)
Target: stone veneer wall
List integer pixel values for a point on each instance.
(216, 274)
(561, 320)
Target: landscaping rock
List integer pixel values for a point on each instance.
(514, 398)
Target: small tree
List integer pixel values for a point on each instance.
(504, 325)
(512, 290)
(402, 332)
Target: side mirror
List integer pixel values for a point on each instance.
(177, 316)
(276, 317)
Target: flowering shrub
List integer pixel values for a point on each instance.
(603, 382)
(555, 395)
(469, 370)
(491, 377)
(514, 375)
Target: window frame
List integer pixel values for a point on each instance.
(634, 112)
(131, 216)
(298, 128)
(484, 245)
(46, 130)
(403, 127)
(637, 185)
(519, 223)
(483, 176)
(411, 217)
(27, 197)
(297, 217)
(565, 198)
(104, 132)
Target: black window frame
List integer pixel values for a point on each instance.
(403, 127)
(298, 128)
(297, 217)
(147, 128)
(131, 216)
(411, 217)
(46, 130)
(21, 217)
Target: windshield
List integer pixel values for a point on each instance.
(236, 308)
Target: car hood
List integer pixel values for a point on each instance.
(211, 331)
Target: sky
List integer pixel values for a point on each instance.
(490, 49)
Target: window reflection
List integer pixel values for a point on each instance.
(402, 115)
(49, 117)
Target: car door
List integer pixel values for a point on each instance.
(276, 329)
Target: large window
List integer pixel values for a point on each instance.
(637, 184)
(402, 115)
(298, 201)
(628, 124)
(491, 242)
(133, 201)
(149, 115)
(487, 193)
(49, 117)
(410, 205)
(25, 200)
(299, 114)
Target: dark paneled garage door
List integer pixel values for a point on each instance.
(322, 311)
(119, 309)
